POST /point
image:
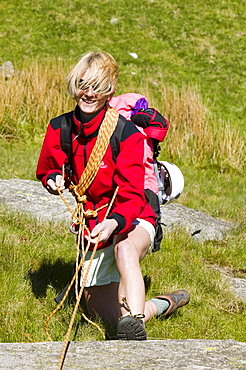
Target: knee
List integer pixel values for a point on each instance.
(125, 253)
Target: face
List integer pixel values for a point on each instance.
(88, 100)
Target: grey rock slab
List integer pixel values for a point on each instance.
(145, 355)
(199, 225)
(30, 196)
(238, 285)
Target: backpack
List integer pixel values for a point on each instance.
(129, 105)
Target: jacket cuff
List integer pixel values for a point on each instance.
(52, 176)
(121, 222)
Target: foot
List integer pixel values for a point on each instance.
(131, 328)
(176, 300)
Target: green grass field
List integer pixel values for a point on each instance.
(192, 42)
(191, 66)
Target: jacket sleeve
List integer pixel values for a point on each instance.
(51, 157)
(129, 176)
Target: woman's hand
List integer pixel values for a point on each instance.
(53, 186)
(106, 228)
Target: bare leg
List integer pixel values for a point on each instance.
(106, 300)
(129, 251)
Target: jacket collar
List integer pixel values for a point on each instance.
(88, 129)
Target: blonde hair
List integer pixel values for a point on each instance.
(102, 74)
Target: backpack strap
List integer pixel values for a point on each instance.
(116, 137)
(66, 141)
(152, 199)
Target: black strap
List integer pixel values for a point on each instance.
(153, 200)
(66, 141)
(116, 137)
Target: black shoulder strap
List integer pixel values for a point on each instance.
(116, 137)
(66, 140)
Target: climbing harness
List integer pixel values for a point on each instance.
(79, 216)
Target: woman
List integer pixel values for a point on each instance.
(114, 288)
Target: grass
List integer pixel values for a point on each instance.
(30, 98)
(42, 256)
(191, 67)
(198, 43)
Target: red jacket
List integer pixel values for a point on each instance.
(127, 172)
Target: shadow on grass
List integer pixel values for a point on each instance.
(55, 274)
(58, 275)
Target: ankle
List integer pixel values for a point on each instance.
(161, 305)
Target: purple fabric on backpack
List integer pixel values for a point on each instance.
(141, 104)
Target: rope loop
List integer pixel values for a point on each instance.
(90, 213)
(81, 199)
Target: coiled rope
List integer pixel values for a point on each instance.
(78, 217)
(106, 130)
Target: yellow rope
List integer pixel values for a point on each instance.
(66, 341)
(79, 294)
(106, 130)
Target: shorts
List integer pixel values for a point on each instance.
(103, 269)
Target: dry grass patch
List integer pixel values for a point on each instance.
(37, 93)
(196, 135)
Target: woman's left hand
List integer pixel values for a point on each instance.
(106, 228)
